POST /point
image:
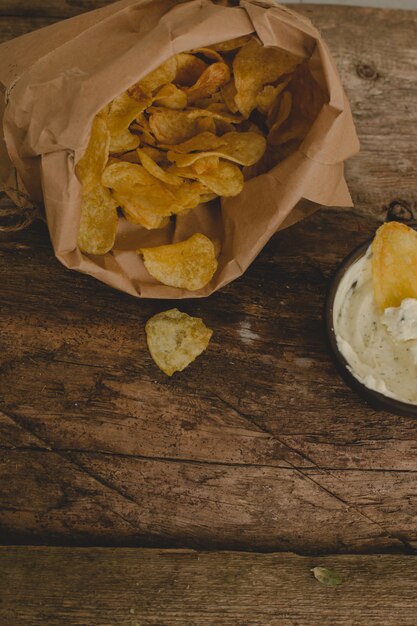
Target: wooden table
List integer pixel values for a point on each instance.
(258, 446)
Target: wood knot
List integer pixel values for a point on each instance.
(400, 211)
(367, 71)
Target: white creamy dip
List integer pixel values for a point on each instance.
(380, 347)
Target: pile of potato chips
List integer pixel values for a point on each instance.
(192, 130)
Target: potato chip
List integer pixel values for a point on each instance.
(176, 339)
(209, 53)
(172, 127)
(142, 197)
(228, 92)
(145, 199)
(227, 180)
(131, 157)
(394, 264)
(156, 155)
(136, 213)
(242, 148)
(202, 141)
(141, 125)
(189, 69)
(91, 165)
(123, 110)
(231, 44)
(187, 197)
(214, 98)
(171, 97)
(206, 124)
(153, 168)
(266, 98)
(254, 66)
(124, 141)
(98, 223)
(209, 82)
(121, 173)
(189, 264)
(206, 164)
(207, 197)
(163, 75)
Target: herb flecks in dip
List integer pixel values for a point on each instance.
(380, 346)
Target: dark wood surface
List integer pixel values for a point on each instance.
(256, 446)
(80, 587)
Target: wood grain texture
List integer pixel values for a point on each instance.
(125, 587)
(258, 445)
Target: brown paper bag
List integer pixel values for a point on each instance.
(56, 79)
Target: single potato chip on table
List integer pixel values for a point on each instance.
(176, 339)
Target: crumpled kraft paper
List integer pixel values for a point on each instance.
(56, 79)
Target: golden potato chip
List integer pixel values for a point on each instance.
(189, 69)
(171, 97)
(163, 74)
(186, 197)
(209, 53)
(202, 141)
(153, 168)
(394, 264)
(266, 98)
(228, 92)
(207, 197)
(141, 125)
(176, 339)
(124, 141)
(189, 264)
(159, 156)
(98, 223)
(231, 44)
(142, 197)
(206, 124)
(206, 164)
(173, 127)
(254, 66)
(121, 173)
(123, 110)
(242, 148)
(209, 82)
(136, 213)
(91, 165)
(214, 98)
(227, 180)
(145, 199)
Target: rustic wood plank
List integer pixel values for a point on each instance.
(375, 52)
(191, 459)
(11, 27)
(49, 8)
(283, 456)
(126, 587)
